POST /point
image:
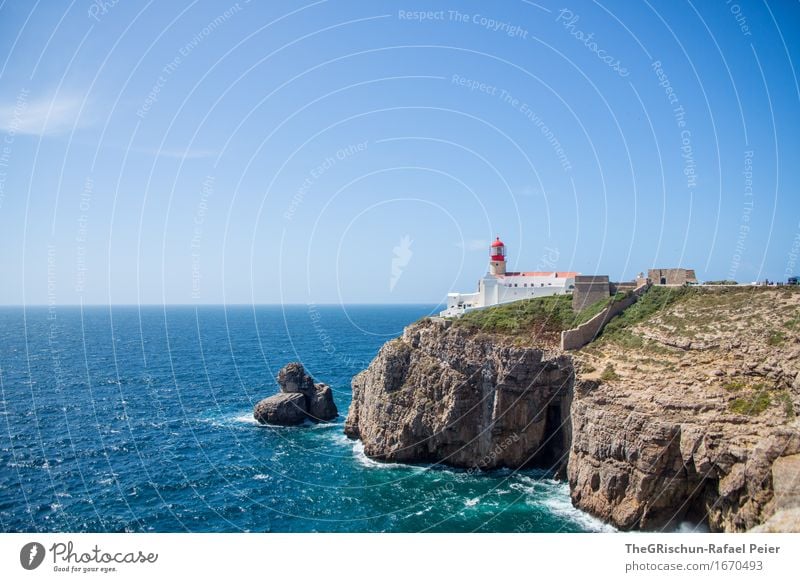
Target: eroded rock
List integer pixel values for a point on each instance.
(300, 399)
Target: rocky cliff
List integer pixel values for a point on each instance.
(683, 410)
(441, 393)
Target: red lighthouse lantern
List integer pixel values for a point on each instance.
(497, 258)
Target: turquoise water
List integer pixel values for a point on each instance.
(140, 419)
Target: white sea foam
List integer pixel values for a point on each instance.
(560, 504)
(554, 496)
(245, 418)
(363, 460)
(230, 419)
(689, 527)
(340, 439)
(325, 426)
(261, 477)
(472, 502)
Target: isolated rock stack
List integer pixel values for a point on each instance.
(300, 399)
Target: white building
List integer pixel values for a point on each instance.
(498, 286)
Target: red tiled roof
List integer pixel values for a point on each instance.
(561, 274)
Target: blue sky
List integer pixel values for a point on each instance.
(319, 152)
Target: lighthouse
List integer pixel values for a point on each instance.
(497, 258)
(501, 286)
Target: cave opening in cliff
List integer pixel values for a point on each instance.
(700, 503)
(553, 448)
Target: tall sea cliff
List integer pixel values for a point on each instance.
(683, 410)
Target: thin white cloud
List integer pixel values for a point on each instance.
(474, 244)
(41, 117)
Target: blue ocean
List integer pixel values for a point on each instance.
(131, 419)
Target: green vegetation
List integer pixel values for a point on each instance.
(722, 282)
(702, 310)
(533, 316)
(609, 374)
(753, 399)
(529, 316)
(589, 312)
(775, 338)
(651, 302)
(751, 405)
(793, 323)
(785, 398)
(734, 385)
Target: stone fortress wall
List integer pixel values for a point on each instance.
(576, 338)
(672, 276)
(589, 289)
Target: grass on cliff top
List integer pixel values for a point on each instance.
(651, 302)
(532, 316)
(552, 314)
(704, 303)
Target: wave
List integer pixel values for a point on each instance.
(554, 496)
(235, 419)
(690, 527)
(245, 419)
(562, 507)
(363, 460)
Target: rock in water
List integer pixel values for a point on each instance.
(293, 378)
(282, 409)
(300, 399)
(322, 406)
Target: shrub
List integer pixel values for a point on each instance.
(775, 338)
(752, 405)
(734, 385)
(609, 374)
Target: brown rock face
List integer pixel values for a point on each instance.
(293, 378)
(282, 409)
(640, 468)
(697, 422)
(300, 400)
(321, 406)
(442, 394)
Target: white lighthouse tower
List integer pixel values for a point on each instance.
(497, 259)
